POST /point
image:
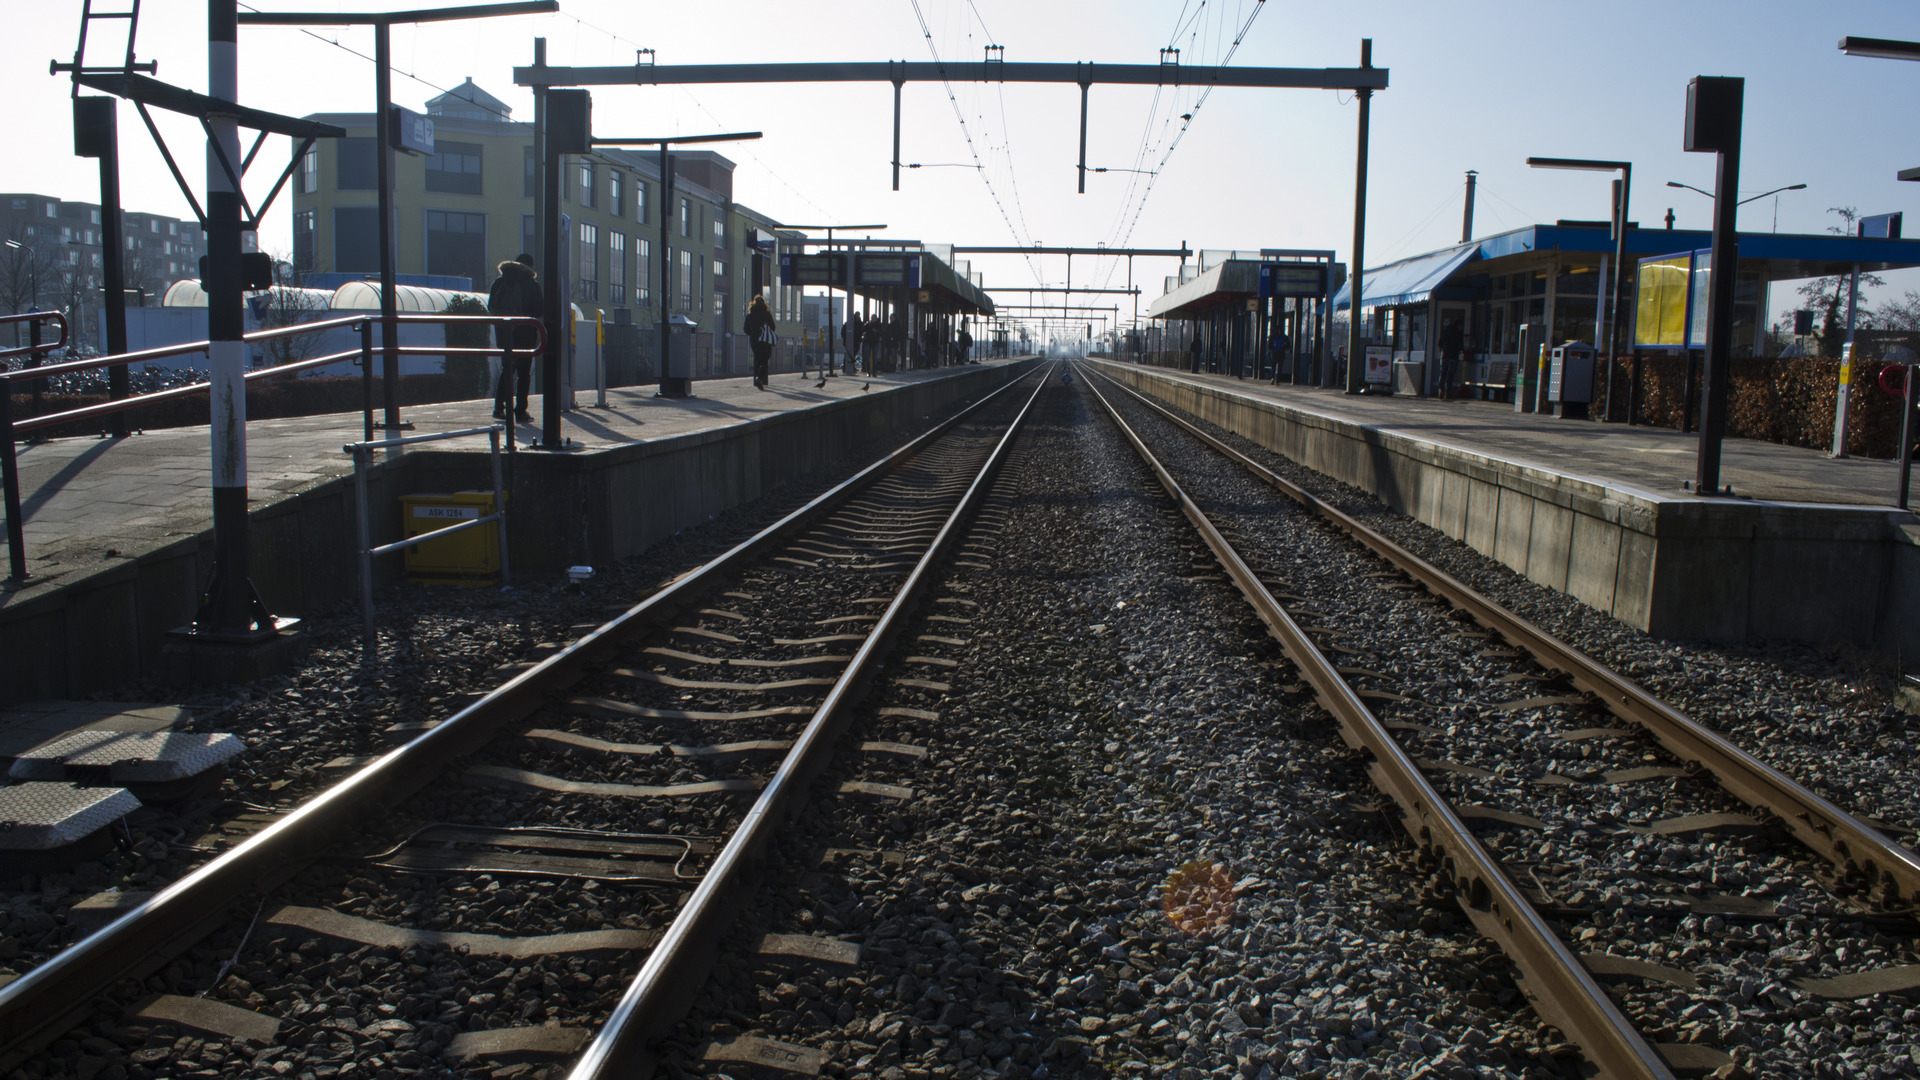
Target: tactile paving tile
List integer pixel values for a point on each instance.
(39, 816)
(130, 757)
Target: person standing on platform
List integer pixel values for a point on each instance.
(1195, 348)
(850, 337)
(515, 292)
(1452, 339)
(760, 335)
(1282, 353)
(966, 345)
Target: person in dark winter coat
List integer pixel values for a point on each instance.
(515, 292)
(759, 329)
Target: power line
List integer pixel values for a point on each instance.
(968, 135)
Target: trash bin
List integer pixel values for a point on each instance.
(677, 380)
(471, 558)
(1409, 376)
(1570, 380)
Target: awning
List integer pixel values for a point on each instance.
(1408, 281)
(1224, 282)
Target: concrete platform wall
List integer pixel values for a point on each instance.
(592, 507)
(1675, 567)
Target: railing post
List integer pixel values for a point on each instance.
(10, 480)
(370, 645)
(33, 361)
(366, 379)
(500, 506)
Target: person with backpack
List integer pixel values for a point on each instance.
(515, 292)
(966, 345)
(850, 336)
(760, 334)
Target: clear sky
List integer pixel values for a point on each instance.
(1476, 84)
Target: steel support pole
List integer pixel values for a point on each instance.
(833, 336)
(1720, 289)
(1084, 87)
(558, 308)
(383, 157)
(1356, 341)
(666, 264)
(897, 84)
(229, 606)
(366, 379)
(369, 643)
(112, 259)
(1623, 193)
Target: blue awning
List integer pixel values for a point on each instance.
(1408, 281)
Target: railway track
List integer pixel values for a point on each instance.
(472, 893)
(1459, 753)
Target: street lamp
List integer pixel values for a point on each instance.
(1625, 169)
(1884, 49)
(1755, 198)
(33, 272)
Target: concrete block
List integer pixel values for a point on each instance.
(1593, 561)
(1483, 506)
(1549, 544)
(1513, 528)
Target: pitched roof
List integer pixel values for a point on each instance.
(469, 102)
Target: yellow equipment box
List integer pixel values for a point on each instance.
(470, 558)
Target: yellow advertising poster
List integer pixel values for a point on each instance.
(1661, 304)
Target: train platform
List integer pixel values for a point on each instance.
(1806, 548)
(113, 525)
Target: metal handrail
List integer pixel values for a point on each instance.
(36, 349)
(104, 407)
(275, 334)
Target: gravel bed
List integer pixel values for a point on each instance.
(1618, 891)
(1117, 723)
(439, 649)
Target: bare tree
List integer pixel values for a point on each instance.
(1828, 295)
(24, 268)
(287, 305)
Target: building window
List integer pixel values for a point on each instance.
(586, 183)
(356, 239)
(719, 231)
(457, 246)
(615, 202)
(643, 272)
(454, 168)
(19, 204)
(173, 228)
(617, 268)
(303, 239)
(588, 287)
(640, 201)
(686, 218)
(306, 178)
(53, 209)
(529, 173)
(719, 273)
(94, 216)
(526, 235)
(686, 280)
(355, 169)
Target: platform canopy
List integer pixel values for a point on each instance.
(1227, 282)
(1771, 256)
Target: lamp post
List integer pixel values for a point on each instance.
(1753, 198)
(1611, 305)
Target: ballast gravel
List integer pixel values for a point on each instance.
(1116, 715)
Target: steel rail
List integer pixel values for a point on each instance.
(1864, 856)
(664, 990)
(1558, 987)
(43, 1003)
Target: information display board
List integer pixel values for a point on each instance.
(1286, 279)
(829, 268)
(1379, 363)
(878, 269)
(1660, 302)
